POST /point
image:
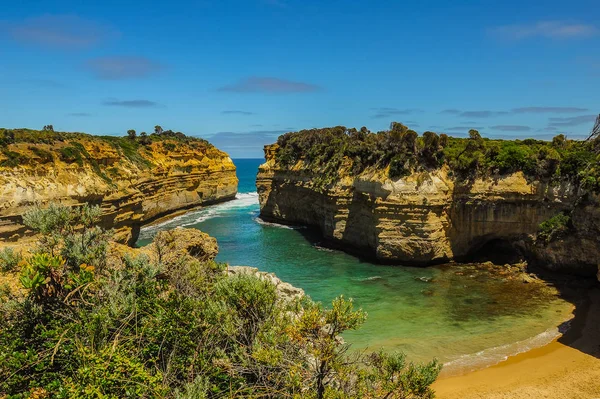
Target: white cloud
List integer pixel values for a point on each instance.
(545, 29)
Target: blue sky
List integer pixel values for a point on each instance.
(242, 72)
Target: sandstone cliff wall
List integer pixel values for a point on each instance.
(429, 217)
(155, 180)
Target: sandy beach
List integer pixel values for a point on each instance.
(567, 368)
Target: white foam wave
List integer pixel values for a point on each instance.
(242, 200)
(271, 224)
(372, 278)
(491, 356)
(324, 249)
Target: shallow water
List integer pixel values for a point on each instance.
(464, 316)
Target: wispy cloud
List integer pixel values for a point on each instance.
(79, 114)
(122, 67)
(472, 114)
(463, 128)
(571, 121)
(511, 128)
(387, 112)
(545, 29)
(68, 32)
(255, 84)
(482, 114)
(237, 112)
(520, 110)
(551, 110)
(131, 103)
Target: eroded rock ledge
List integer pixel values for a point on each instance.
(430, 217)
(132, 188)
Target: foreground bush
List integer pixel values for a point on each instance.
(98, 326)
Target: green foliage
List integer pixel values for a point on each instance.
(553, 228)
(176, 327)
(71, 154)
(30, 136)
(332, 152)
(13, 159)
(42, 276)
(9, 259)
(43, 155)
(169, 146)
(70, 232)
(131, 135)
(130, 150)
(7, 136)
(68, 147)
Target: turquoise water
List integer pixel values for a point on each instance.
(464, 316)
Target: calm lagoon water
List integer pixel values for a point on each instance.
(463, 316)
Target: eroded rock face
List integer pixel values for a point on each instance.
(161, 178)
(172, 246)
(429, 217)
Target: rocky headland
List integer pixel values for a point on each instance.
(432, 215)
(135, 181)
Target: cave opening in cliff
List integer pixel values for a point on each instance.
(498, 251)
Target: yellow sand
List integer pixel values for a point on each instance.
(567, 368)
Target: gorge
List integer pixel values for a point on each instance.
(468, 315)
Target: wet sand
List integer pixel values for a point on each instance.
(567, 368)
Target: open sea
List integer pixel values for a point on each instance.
(463, 316)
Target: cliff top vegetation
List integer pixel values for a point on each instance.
(401, 151)
(27, 147)
(47, 135)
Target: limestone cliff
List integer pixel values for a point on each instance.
(134, 183)
(431, 217)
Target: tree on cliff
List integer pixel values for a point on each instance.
(158, 129)
(595, 133)
(431, 145)
(144, 140)
(48, 128)
(131, 135)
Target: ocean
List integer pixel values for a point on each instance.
(466, 317)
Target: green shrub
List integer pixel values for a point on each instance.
(169, 146)
(71, 154)
(14, 159)
(9, 259)
(43, 155)
(554, 227)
